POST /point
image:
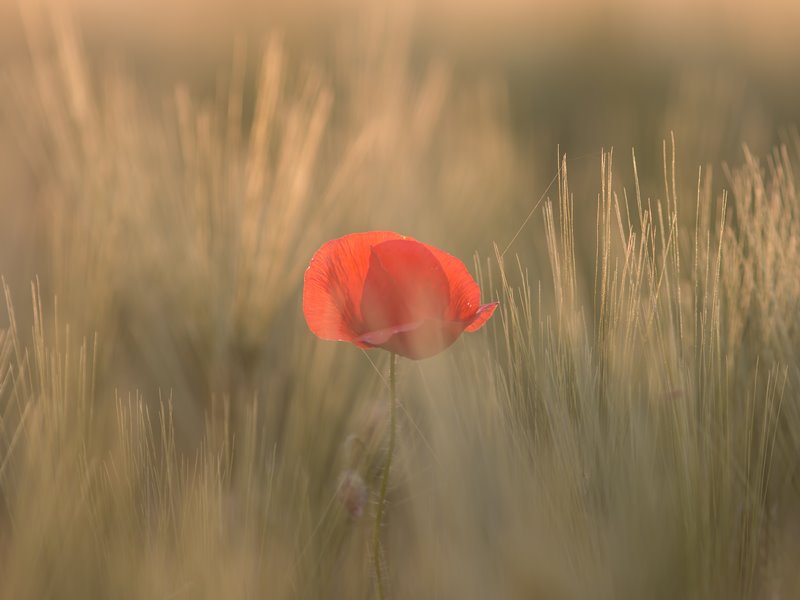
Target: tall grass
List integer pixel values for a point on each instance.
(627, 426)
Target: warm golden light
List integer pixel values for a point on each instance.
(614, 183)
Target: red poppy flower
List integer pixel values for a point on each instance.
(384, 290)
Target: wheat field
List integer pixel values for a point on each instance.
(626, 426)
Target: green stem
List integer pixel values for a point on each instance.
(376, 541)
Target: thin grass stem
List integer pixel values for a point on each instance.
(376, 540)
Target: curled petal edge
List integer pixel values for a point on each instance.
(484, 312)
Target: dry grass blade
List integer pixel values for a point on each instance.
(627, 426)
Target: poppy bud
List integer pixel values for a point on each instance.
(352, 493)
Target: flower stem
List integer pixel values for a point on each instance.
(376, 541)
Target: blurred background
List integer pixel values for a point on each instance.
(575, 76)
(168, 169)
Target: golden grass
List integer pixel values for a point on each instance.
(626, 426)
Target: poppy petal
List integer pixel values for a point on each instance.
(333, 285)
(418, 340)
(381, 336)
(405, 283)
(465, 295)
(481, 316)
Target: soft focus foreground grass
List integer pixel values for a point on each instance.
(627, 426)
